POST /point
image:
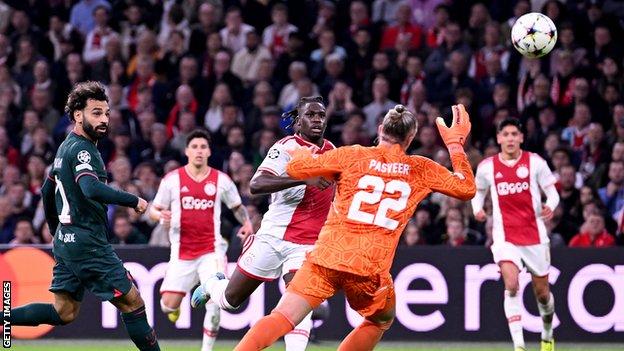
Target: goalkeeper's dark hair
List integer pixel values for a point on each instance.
(294, 113)
(398, 123)
(510, 121)
(77, 99)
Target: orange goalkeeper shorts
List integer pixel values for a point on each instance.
(367, 295)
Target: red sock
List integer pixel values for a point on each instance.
(362, 338)
(265, 332)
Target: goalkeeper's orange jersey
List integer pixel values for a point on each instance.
(377, 193)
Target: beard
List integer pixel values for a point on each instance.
(92, 132)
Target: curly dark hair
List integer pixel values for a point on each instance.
(77, 99)
(294, 113)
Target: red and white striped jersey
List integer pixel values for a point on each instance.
(296, 214)
(516, 197)
(196, 211)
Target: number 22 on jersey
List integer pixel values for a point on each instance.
(373, 196)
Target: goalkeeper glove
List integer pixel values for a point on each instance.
(459, 129)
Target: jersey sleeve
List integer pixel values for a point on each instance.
(481, 179)
(229, 193)
(544, 175)
(306, 165)
(84, 162)
(459, 184)
(275, 160)
(162, 200)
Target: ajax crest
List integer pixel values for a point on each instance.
(210, 189)
(522, 171)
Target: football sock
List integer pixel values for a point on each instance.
(265, 332)
(363, 338)
(217, 295)
(211, 326)
(34, 314)
(514, 318)
(139, 330)
(547, 312)
(297, 339)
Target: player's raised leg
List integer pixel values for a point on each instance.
(63, 311)
(228, 294)
(132, 310)
(546, 307)
(513, 303)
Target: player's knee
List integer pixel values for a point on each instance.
(167, 306)
(382, 323)
(542, 295)
(68, 315)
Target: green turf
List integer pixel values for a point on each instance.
(186, 345)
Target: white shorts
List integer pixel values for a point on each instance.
(536, 258)
(183, 275)
(266, 257)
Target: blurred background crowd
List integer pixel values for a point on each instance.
(233, 67)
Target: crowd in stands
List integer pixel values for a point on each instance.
(233, 67)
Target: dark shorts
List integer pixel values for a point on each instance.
(104, 276)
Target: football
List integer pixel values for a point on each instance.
(534, 35)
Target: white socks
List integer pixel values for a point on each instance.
(513, 313)
(211, 326)
(297, 339)
(217, 294)
(547, 310)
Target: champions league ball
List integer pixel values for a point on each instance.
(534, 35)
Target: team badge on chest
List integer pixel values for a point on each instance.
(522, 171)
(210, 189)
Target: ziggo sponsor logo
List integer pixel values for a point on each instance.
(504, 188)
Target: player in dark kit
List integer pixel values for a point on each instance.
(75, 196)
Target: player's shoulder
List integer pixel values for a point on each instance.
(535, 157)
(286, 142)
(172, 175)
(222, 177)
(486, 162)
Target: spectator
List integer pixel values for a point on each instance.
(380, 104)
(184, 102)
(593, 233)
(411, 235)
(97, 38)
(246, 62)
(24, 233)
(235, 31)
(7, 220)
(274, 36)
(612, 195)
(404, 29)
(208, 23)
(125, 233)
(455, 233)
(159, 150)
(452, 41)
